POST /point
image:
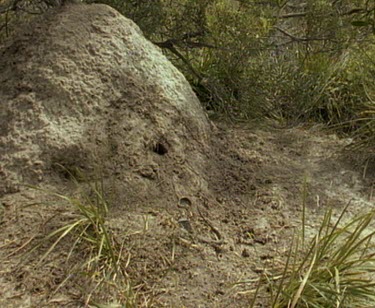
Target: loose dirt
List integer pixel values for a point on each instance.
(242, 230)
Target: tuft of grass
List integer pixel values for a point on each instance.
(104, 261)
(335, 270)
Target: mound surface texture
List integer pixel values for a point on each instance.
(82, 87)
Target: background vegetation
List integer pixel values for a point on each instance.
(293, 61)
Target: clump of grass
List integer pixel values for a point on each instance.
(364, 136)
(104, 260)
(335, 268)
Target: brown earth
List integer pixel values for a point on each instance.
(198, 206)
(236, 235)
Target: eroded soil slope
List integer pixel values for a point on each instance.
(192, 253)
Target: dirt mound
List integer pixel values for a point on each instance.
(83, 88)
(197, 207)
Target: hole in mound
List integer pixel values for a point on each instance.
(185, 202)
(160, 148)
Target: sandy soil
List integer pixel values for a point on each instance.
(229, 238)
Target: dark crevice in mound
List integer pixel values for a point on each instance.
(160, 148)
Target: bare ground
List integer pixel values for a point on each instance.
(193, 250)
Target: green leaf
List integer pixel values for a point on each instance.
(360, 23)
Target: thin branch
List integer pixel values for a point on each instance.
(293, 37)
(353, 11)
(303, 14)
(170, 45)
(293, 15)
(300, 39)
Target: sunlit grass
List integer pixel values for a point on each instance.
(334, 268)
(104, 259)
